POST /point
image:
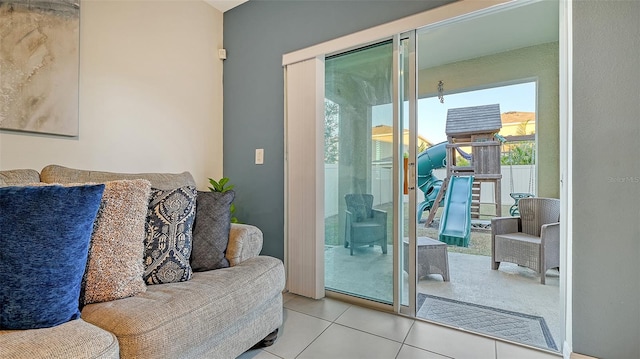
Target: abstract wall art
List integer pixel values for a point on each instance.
(39, 66)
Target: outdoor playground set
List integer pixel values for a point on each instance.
(477, 128)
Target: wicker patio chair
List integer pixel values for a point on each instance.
(531, 240)
(364, 225)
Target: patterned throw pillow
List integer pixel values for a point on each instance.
(44, 239)
(169, 231)
(211, 230)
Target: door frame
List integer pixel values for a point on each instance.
(457, 10)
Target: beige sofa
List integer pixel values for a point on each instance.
(217, 314)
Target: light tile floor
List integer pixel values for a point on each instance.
(329, 328)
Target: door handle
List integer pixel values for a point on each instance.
(412, 176)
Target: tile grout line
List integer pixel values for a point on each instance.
(314, 339)
(365, 332)
(413, 322)
(429, 351)
(331, 322)
(317, 317)
(408, 331)
(341, 314)
(404, 342)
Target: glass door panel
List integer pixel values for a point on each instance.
(487, 116)
(359, 155)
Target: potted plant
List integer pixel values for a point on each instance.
(221, 187)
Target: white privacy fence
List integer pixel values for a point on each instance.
(381, 182)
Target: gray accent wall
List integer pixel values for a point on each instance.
(256, 35)
(606, 185)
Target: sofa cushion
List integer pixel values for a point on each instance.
(60, 174)
(18, 177)
(45, 233)
(115, 267)
(180, 320)
(169, 232)
(211, 230)
(74, 339)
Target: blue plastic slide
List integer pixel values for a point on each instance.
(432, 158)
(455, 223)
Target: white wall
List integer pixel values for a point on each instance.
(150, 93)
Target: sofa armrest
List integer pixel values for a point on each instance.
(245, 241)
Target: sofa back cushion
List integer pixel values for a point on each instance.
(44, 236)
(18, 177)
(60, 174)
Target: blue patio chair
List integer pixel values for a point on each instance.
(364, 225)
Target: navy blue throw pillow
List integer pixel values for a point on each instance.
(44, 241)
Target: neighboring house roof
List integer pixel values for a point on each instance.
(384, 133)
(474, 119)
(512, 123)
(518, 125)
(517, 117)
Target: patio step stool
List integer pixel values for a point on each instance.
(433, 257)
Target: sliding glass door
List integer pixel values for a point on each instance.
(487, 109)
(358, 163)
(395, 157)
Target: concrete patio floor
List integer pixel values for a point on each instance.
(369, 274)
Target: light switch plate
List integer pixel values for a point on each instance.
(259, 156)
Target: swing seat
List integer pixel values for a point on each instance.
(517, 196)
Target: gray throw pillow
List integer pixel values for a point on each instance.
(169, 233)
(211, 230)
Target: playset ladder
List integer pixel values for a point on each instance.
(436, 203)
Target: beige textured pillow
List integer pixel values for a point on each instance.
(114, 268)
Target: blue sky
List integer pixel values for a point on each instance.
(432, 114)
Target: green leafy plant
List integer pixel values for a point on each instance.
(222, 186)
(331, 131)
(520, 154)
(462, 162)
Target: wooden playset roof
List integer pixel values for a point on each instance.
(473, 120)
